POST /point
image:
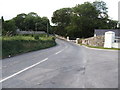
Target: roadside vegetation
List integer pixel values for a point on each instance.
(76, 22)
(81, 20)
(101, 47)
(15, 45)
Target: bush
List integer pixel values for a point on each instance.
(21, 44)
(36, 37)
(53, 38)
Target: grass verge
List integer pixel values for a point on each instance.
(15, 45)
(101, 47)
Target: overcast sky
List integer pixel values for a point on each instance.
(10, 8)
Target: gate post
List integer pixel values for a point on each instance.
(77, 40)
(109, 39)
(68, 38)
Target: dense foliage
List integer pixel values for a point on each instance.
(81, 20)
(20, 44)
(25, 22)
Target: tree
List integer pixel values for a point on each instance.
(81, 20)
(19, 21)
(45, 22)
(85, 19)
(101, 8)
(62, 18)
(112, 24)
(36, 23)
(33, 14)
(30, 21)
(9, 27)
(103, 18)
(26, 22)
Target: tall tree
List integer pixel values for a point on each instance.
(19, 21)
(45, 22)
(81, 20)
(85, 19)
(102, 8)
(62, 18)
(30, 21)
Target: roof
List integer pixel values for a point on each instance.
(99, 32)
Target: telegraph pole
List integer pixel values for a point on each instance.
(36, 26)
(47, 30)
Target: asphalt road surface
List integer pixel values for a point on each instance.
(66, 65)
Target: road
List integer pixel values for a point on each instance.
(66, 65)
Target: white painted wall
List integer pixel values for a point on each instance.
(116, 45)
(109, 39)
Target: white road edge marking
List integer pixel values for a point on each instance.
(23, 70)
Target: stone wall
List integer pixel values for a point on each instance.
(60, 37)
(93, 41)
(30, 32)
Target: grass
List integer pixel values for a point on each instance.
(101, 47)
(21, 44)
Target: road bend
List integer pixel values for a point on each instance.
(66, 65)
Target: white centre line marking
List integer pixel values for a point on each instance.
(23, 70)
(29, 67)
(60, 50)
